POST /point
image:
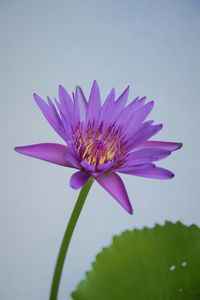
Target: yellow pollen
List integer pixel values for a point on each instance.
(97, 153)
(97, 146)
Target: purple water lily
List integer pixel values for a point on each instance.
(103, 139)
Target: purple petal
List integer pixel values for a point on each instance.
(129, 168)
(65, 101)
(114, 185)
(82, 102)
(156, 173)
(171, 146)
(66, 122)
(54, 153)
(78, 179)
(127, 113)
(121, 101)
(105, 167)
(88, 167)
(55, 113)
(107, 109)
(146, 131)
(73, 158)
(111, 114)
(66, 109)
(51, 115)
(94, 103)
(132, 124)
(147, 155)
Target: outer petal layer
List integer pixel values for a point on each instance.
(51, 115)
(54, 153)
(65, 101)
(81, 102)
(121, 102)
(78, 179)
(155, 173)
(171, 146)
(94, 103)
(146, 131)
(128, 169)
(114, 185)
(147, 155)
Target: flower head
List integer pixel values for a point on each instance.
(103, 139)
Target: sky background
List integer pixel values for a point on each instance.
(154, 47)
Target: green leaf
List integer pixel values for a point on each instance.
(153, 263)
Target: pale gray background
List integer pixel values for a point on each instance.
(152, 45)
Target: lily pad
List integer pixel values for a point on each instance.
(152, 263)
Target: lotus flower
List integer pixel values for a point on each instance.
(102, 140)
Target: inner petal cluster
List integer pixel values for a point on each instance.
(98, 146)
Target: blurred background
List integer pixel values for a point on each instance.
(154, 47)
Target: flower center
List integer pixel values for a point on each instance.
(98, 152)
(97, 146)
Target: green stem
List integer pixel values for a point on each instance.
(67, 238)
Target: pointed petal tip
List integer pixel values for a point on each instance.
(164, 174)
(112, 92)
(95, 84)
(20, 149)
(171, 146)
(114, 185)
(149, 104)
(128, 207)
(35, 96)
(179, 146)
(61, 89)
(78, 87)
(142, 98)
(152, 102)
(17, 149)
(60, 86)
(38, 99)
(127, 88)
(79, 90)
(167, 174)
(130, 210)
